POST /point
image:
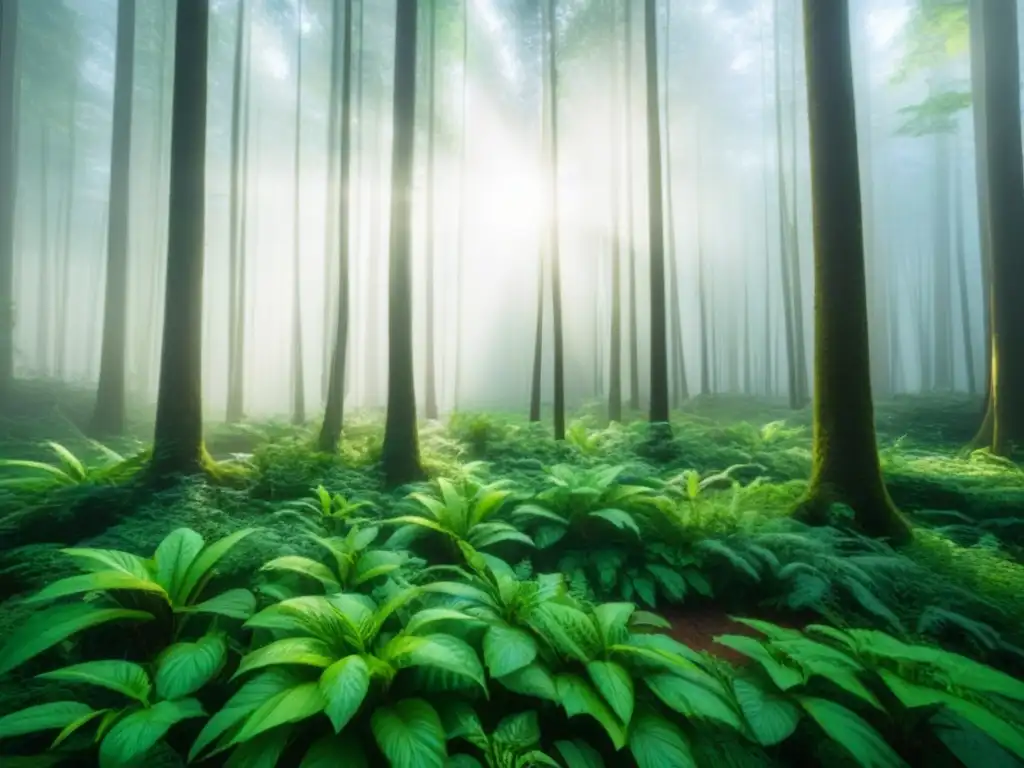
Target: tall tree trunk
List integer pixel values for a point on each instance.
(95, 292)
(942, 321)
(846, 467)
(401, 453)
(961, 277)
(769, 381)
(373, 271)
(460, 263)
(634, 329)
(178, 437)
(1006, 219)
(615, 115)
(109, 416)
(331, 233)
(680, 390)
(538, 341)
(8, 189)
(430, 394)
(43, 333)
(236, 235)
(298, 367)
(330, 432)
(659, 413)
(796, 263)
(64, 297)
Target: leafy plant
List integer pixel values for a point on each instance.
(333, 512)
(68, 470)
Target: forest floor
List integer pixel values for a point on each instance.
(734, 469)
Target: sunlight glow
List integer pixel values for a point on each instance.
(883, 24)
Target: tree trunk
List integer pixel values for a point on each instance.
(796, 263)
(659, 413)
(331, 233)
(298, 367)
(430, 394)
(43, 332)
(64, 297)
(846, 467)
(942, 297)
(634, 331)
(373, 270)
(178, 438)
(680, 390)
(236, 243)
(8, 189)
(769, 381)
(615, 159)
(401, 453)
(109, 416)
(1006, 219)
(538, 342)
(330, 432)
(961, 270)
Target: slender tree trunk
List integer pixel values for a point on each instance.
(64, 297)
(846, 467)
(178, 438)
(769, 381)
(942, 322)
(680, 390)
(634, 329)
(615, 115)
(109, 416)
(298, 367)
(95, 292)
(236, 234)
(538, 342)
(43, 334)
(374, 288)
(401, 457)
(430, 395)
(8, 190)
(460, 263)
(1006, 219)
(330, 221)
(961, 269)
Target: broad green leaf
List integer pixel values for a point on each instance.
(203, 565)
(410, 734)
(672, 583)
(73, 727)
(688, 695)
(658, 743)
(962, 672)
(518, 731)
(429, 616)
(313, 615)
(136, 733)
(173, 557)
(124, 677)
(783, 676)
(569, 631)
(376, 563)
(184, 668)
(578, 698)
(54, 625)
(460, 591)
(334, 751)
(262, 752)
(305, 566)
(441, 651)
(42, 717)
(461, 721)
(234, 604)
(615, 686)
(534, 680)
(246, 700)
(619, 518)
(579, 754)
(289, 706)
(508, 649)
(96, 582)
(344, 685)
(614, 620)
(772, 718)
(462, 761)
(852, 732)
(970, 745)
(97, 560)
(307, 651)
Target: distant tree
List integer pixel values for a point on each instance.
(430, 363)
(615, 114)
(551, 77)
(178, 437)
(401, 453)
(634, 328)
(1002, 137)
(298, 367)
(846, 467)
(659, 412)
(8, 187)
(109, 416)
(330, 432)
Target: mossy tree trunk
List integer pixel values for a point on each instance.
(178, 437)
(845, 465)
(401, 453)
(659, 410)
(1006, 218)
(8, 187)
(330, 432)
(109, 415)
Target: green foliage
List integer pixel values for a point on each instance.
(69, 470)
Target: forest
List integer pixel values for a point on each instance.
(511, 383)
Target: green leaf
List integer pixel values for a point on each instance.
(73, 727)
(410, 734)
(429, 616)
(48, 628)
(657, 743)
(672, 583)
(579, 754)
(461, 721)
(578, 698)
(533, 680)
(614, 620)
(619, 518)
(771, 717)
(508, 649)
(440, 651)
(519, 732)
(645, 588)
(42, 717)
(289, 706)
(307, 651)
(312, 615)
(305, 566)
(203, 565)
(333, 751)
(696, 695)
(262, 752)
(852, 732)
(569, 631)
(376, 563)
(97, 560)
(344, 685)
(124, 677)
(615, 685)
(234, 604)
(783, 676)
(137, 733)
(173, 557)
(970, 745)
(184, 668)
(96, 582)
(246, 700)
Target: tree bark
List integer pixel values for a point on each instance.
(236, 235)
(845, 466)
(461, 247)
(178, 437)
(615, 157)
(553, 233)
(298, 366)
(8, 189)
(430, 393)
(634, 330)
(680, 390)
(401, 454)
